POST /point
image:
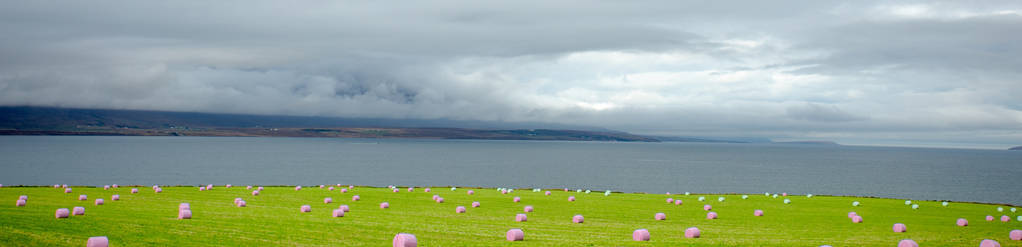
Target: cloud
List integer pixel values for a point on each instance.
(861, 72)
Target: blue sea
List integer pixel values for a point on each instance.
(992, 176)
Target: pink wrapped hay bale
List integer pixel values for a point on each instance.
(351, 187)
(355, 198)
(134, 190)
(106, 187)
(227, 186)
(396, 190)
(527, 209)
(660, 216)
(99, 201)
(237, 199)
(84, 197)
(327, 200)
(19, 203)
(64, 186)
(565, 189)
(55, 186)
(260, 188)
(67, 190)
(850, 214)
(115, 197)
(337, 213)
(547, 193)
(344, 208)
(184, 206)
(640, 235)
(436, 197)
(62, 213)
(784, 194)
(571, 198)
(23, 197)
(426, 189)
(404, 240)
(989, 243)
(255, 192)
(475, 204)
(78, 211)
(670, 200)
(899, 227)
(856, 219)
(115, 186)
(962, 222)
(459, 209)
(384, 205)
(1005, 218)
(990, 218)
(907, 243)
(344, 190)
(297, 188)
(241, 204)
(158, 190)
(711, 215)
(677, 202)
(248, 187)
(692, 232)
(184, 214)
(707, 207)
(100, 241)
(515, 235)
(521, 217)
(1015, 235)
(202, 188)
(757, 212)
(578, 219)
(305, 209)
(517, 199)
(322, 186)
(439, 200)
(411, 189)
(470, 192)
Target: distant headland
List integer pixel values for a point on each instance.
(1019, 148)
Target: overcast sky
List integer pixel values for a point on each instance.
(881, 73)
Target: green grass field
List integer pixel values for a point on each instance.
(273, 219)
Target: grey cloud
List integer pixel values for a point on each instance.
(821, 113)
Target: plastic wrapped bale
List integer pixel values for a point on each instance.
(660, 216)
(571, 198)
(83, 197)
(106, 187)
(850, 214)
(707, 207)
(515, 235)
(404, 240)
(158, 190)
(241, 204)
(435, 197)
(745, 197)
(989, 218)
(989, 243)
(227, 186)
(470, 192)
(907, 243)
(1005, 218)
(899, 227)
(962, 222)
(915, 206)
(787, 201)
(527, 209)
(355, 198)
(411, 189)
(99, 201)
(331, 188)
(1000, 209)
(305, 209)
(255, 192)
(134, 190)
(395, 190)
(384, 205)
(459, 209)
(202, 188)
(345, 208)
(426, 189)
(855, 204)
(23, 197)
(337, 213)
(115, 197)
(100, 241)
(677, 202)
(908, 202)
(184, 206)
(711, 215)
(327, 200)
(547, 193)
(702, 198)
(297, 188)
(184, 214)
(19, 203)
(944, 204)
(856, 219)
(67, 190)
(692, 232)
(344, 190)
(517, 199)
(439, 200)
(260, 188)
(248, 187)
(757, 212)
(784, 194)
(62, 213)
(670, 200)
(720, 199)
(578, 219)
(521, 217)
(475, 204)
(1015, 235)
(640, 235)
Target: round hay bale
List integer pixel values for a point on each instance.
(899, 227)
(517, 199)
(100, 241)
(470, 192)
(260, 188)
(344, 207)
(1000, 209)
(336, 213)
(134, 190)
(578, 219)
(344, 190)
(248, 187)
(855, 204)
(702, 198)
(241, 204)
(255, 192)
(384, 205)
(757, 212)
(184, 214)
(115, 197)
(990, 218)
(475, 204)
(989, 243)
(405, 240)
(527, 209)
(962, 222)
(915, 206)
(850, 214)
(297, 188)
(515, 235)
(787, 201)
(640, 235)
(327, 200)
(711, 215)
(331, 188)
(184, 206)
(547, 193)
(571, 198)
(106, 187)
(395, 190)
(83, 197)
(426, 189)
(19, 203)
(67, 190)
(202, 188)
(459, 209)
(856, 219)
(784, 194)
(907, 243)
(521, 217)
(692, 232)
(435, 197)
(720, 199)
(707, 207)
(439, 200)
(158, 190)
(745, 197)
(355, 198)
(22, 197)
(1015, 235)
(944, 204)
(99, 201)
(677, 202)
(62, 213)
(1005, 218)
(660, 216)
(670, 200)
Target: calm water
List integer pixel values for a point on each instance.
(915, 173)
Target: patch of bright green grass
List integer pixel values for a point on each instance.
(273, 219)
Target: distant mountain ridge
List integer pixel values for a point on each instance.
(1016, 148)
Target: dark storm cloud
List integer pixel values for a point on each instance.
(864, 72)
